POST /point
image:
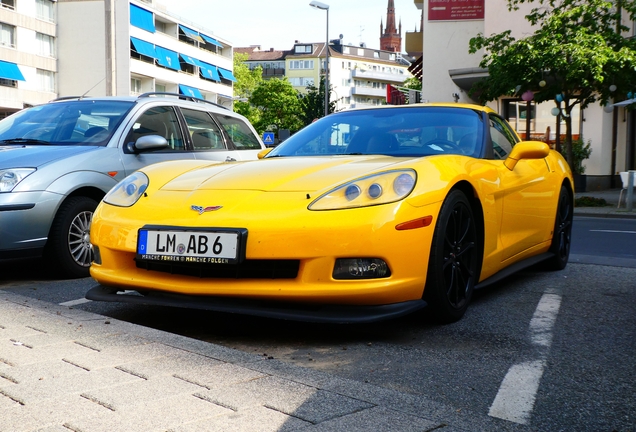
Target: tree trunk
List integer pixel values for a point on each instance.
(568, 136)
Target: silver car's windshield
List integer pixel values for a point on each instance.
(409, 132)
(82, 122)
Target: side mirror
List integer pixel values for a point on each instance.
(264, 152)
(148, 143)
(526, 150)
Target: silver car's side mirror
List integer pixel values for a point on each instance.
(148, 143)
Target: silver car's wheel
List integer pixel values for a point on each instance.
(68, 248)
(78, 239)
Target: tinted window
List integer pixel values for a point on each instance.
(240, 134)
(66, 123)
(503, 138)
(414, 131)
(205, 134)
(160, 121)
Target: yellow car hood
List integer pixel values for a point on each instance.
(288, 174)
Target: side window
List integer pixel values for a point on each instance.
(503, 138)
(205, 134)
(240, 134)
(160, 121)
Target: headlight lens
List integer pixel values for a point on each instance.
(10, 178)
(376, 189)
(128, 191)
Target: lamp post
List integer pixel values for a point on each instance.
(325, 7)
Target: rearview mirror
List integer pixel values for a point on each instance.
(148, 143)
(526, 150)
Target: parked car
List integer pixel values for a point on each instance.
(361, 216)
(58, 160)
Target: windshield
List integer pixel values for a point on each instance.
(409, 131)
(83, 122)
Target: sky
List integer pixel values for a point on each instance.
(279, 23)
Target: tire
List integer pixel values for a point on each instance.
(68, 249)
(562, 234)
(453, 267)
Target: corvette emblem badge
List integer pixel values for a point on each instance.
(202, 210)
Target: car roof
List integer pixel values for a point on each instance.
(430, 104)
(150, 96)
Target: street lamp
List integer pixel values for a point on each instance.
(325, 7)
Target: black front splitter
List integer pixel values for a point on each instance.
(334, 314)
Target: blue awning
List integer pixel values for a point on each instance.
(142, 18)
(194, 35)
(143, 47)
(189, 60)
(227, 74)
(167, 58)
(209, 71)
(210, 40)
(190, 91)
(10, 71)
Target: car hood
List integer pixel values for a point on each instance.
(282, 174)
(25, 156)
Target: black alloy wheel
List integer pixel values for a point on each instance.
(562, 235)
(454, 261)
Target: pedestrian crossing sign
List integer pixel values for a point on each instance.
(268, 138)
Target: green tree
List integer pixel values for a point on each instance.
(413, 83)
(577, 52)
(313, 103)
(246, 82)
(278, 104)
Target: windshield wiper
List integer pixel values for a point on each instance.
(23, 141)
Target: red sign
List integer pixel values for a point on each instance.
(455, 10)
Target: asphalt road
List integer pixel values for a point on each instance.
(563, 343)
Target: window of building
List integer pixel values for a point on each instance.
(160, 27)
(7, 4)
(7, 35)
(301, 49)
(135, 86)
(301, 81)
(44, 10)
(160, 88)
(46, 80)
(376, 54)
(345, 50)
(46, 45)
(301, 64)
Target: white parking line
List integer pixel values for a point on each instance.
(614, 231)
(516, 396)
(75, 302)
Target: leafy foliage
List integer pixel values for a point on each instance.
(246, 82)
(278, 104)
(577, 51)
(313, 103)
(580, 152)
(413, 83)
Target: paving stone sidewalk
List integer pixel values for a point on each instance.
(63, 369)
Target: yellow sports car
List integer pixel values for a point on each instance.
(363, 215)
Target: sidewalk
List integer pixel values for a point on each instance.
(63, 369)
(611, 210)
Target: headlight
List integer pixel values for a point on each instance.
(10, 178)
(376, 189)
(128, 191)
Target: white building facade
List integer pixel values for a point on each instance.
(60, 48)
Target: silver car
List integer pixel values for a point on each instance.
(59, 159)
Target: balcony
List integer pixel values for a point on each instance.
(368, 91)
(378, 76)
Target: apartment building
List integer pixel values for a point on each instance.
(52, 49)
(358, 75)
(28, 57)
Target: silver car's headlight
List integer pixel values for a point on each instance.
(10, 178)
(128, 191)
(375, 189)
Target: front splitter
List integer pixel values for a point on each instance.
(333, 314)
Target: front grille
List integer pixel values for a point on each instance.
(248, 269)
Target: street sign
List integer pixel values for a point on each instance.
(268, 138)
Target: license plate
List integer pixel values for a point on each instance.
(221, 246)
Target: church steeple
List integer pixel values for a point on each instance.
(391, 37)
